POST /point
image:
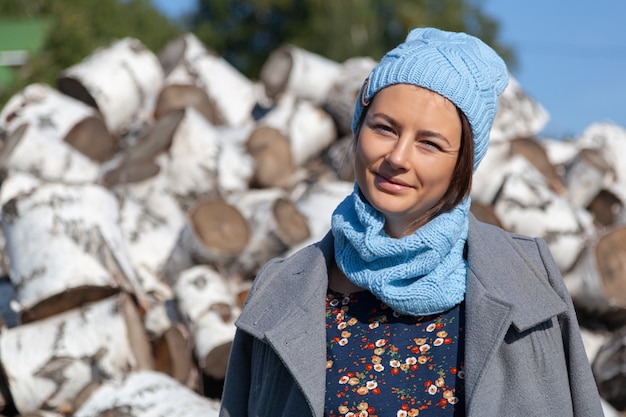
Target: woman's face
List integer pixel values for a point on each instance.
(406, 151)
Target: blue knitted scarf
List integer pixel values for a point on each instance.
(420, 274)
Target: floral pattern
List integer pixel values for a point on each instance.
(384, 364)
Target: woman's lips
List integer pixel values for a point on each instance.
(389, 184)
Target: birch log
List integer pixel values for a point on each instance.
(345, 90)
(65, 248)
(179, 96)
(59, 118)
(308, 128)
(528, 206)
(610, 252)
(275, 224)
(33, 151)
(147, 393)
(188, 62)
(119, 80)
(586, 176)
(308, 75)
(271, 152)
(49, 362)
(317, 203)
(609, 369)
(518, 116)
(208, 305)
(215, 233)
(532, 150)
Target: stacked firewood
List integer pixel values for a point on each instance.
(141, 195)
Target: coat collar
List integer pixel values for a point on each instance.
(504, 289)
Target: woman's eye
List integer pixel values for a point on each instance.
(383, 128)
(431, 145)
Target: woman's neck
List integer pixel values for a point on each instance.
(337, 281)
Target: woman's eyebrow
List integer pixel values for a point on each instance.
(421, 132)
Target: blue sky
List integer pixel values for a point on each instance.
(571, 56)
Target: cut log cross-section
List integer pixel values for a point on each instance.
(275, 224)
(610, 253)
(215, 233)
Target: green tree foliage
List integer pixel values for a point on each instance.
(245, 32)
(79, 27)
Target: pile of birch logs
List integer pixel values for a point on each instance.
(141, 195)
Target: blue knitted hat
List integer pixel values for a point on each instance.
(458, 66)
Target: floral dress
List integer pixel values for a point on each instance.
(383, 364)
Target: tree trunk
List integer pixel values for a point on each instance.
(65, 248)
(65, 353)
(59, 118)
(208, 305)
(119, 80)
(147, 393)
(308, 75)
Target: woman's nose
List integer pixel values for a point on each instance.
(399, 154)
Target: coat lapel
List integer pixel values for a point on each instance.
(504, 289)
(295, 325)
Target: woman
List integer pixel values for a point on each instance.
(410, 306)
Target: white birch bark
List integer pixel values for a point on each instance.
(208, 305)
(528, 206)
(309, 129)
(52, 360)
(58, 117)
(119, 80)
(518, 116)
(61, 238)
(188, 61)
(317, 203)
(147, 393)
(41, 154)
(308, 75)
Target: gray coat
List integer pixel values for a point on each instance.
(523, 357)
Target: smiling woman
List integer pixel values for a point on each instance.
(406, 152)
(409, 305)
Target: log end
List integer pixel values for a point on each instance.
(74, 88)
(293, 226)
(271, 152)
(67, 300)
(220, 227)
(179, 96)
(91, 137)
